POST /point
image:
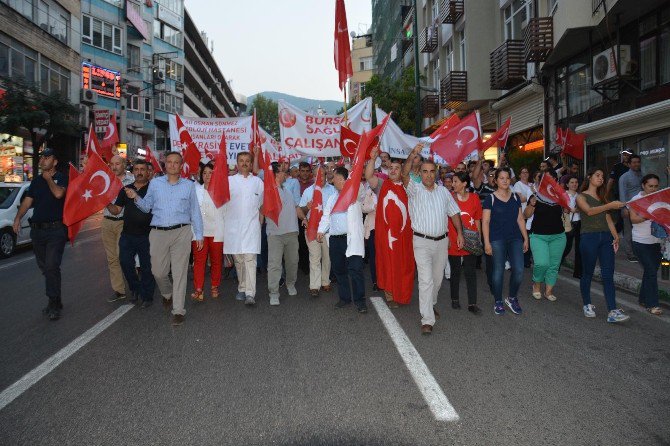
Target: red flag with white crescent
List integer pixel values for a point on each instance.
(92, 144)
(219, 188)
(446, 126)
(348, 142)
(90, 191)
(190, 152)
(654, 207)
(499, 138)
(73, 229)
(463, 139)
(572, 143)
(316, 208)
(150, 158)
(110, 139)
(342, 50)
(553, 191)
(393, 243)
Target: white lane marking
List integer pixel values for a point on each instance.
(32, 257)
(620, 301)
(430, 390)
(15, 390)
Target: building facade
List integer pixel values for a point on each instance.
(361, 61)
(390, 42)
(40, 42)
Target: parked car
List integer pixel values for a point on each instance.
(11, 195)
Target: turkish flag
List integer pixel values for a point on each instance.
(463, 139)
(73, 229)
(554, 191)
(571, 143)
(150, 158)
(219, 188)
(393, 243)
(110, 139)
(499, 138)
(190, 152)
(315, 209)
(348, 142)
(90, 191)
(342, 49)
(654, 207)
(92, 145)
(271, 200)
(446, 126)
(349, 191)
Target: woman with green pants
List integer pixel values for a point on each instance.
(547, 242)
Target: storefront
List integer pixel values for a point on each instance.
(16, 159)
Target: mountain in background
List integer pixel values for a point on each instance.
(331, 107)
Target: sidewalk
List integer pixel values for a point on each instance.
(628, 276)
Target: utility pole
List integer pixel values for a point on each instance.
(417, 84)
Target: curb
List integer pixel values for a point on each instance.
(626, 283)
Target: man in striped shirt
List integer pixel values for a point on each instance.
(429, 207)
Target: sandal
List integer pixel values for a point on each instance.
(657, 311)
(197, 296)
(215, 292)
(550, 297)
(537, 295)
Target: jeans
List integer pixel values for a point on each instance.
(547, 254)
(48, 246)
(129, 246)
(345, 268)
(649, 256)
(597, 246)
(303, 251)
(468, 266)
(506, 250)
(371, 253)
(573, 237)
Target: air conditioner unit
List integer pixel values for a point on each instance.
(88, 97)
(159, 76)
(604, 66)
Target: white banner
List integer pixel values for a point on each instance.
(206, 134)
(276, 151)
(314, 135)
(399, 144)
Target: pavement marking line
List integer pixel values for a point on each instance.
(430, 390)
(32, 257)
(15, 390)
(621, 302)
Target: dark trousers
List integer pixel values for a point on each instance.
(468, 266)
(303, 251)
(371, 255)
(129, 246)
(346, 268)
(262, 259)
(598, 246)
(48, 246)
(506, 250)
(649, 256)
(572, 238)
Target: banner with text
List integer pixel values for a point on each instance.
(315, 135)
(276, 151)
(206, 134)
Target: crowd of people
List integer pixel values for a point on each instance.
(473, 216)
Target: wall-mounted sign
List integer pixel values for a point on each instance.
(171, 18)
(101, 120)
(103, 81)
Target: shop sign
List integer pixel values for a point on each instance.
(650, 154)
(103, 81)
(101, 118)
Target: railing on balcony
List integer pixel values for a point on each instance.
(454, 89)
(508, 67)
(596, 4)
(451, 11)
(538, 37)
(428, 39)
(430, 105)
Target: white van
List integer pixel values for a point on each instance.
(11, 195)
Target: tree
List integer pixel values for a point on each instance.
(23, 108)
(267, 113)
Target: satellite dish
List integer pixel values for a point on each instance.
(352, 34)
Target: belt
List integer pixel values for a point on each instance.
(46, 225)
(338, 236)
(431, 238)
(109, 217)
(169, 228)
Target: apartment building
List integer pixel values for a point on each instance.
(390, 40)
(361, 61)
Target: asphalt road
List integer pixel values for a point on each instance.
(305, 373)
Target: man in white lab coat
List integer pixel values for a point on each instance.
(242, 226)
(346, 244)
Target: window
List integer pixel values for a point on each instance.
(174, 5)
(450, 57)
(365, 63)
(101, 34)
(24, 7)
(435, 12)
(54, 77)
(574, 94)
(134, 103)
(173, 70)
(147, 109)
(169, 34)
(461, 36)
(18, 61)
(436, 74)
(515, 16)
(133, 59)
(655, 50)
(147, 70)
(170, 103)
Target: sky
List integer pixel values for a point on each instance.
(277, 45)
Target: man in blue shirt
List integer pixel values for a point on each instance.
(46, 195)
(173, 202)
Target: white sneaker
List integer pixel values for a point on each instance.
(274, 300)
(250, 301)
(589, 310)
(291, 290)
(507, 266)
(617, 315)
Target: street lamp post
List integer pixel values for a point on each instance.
(417, 84)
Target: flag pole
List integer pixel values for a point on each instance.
(346, 119)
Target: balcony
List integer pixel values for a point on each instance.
(430, 105)
(454, 89)
(508, 67)
(451, 11)
(538, 37)
(428, 39)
